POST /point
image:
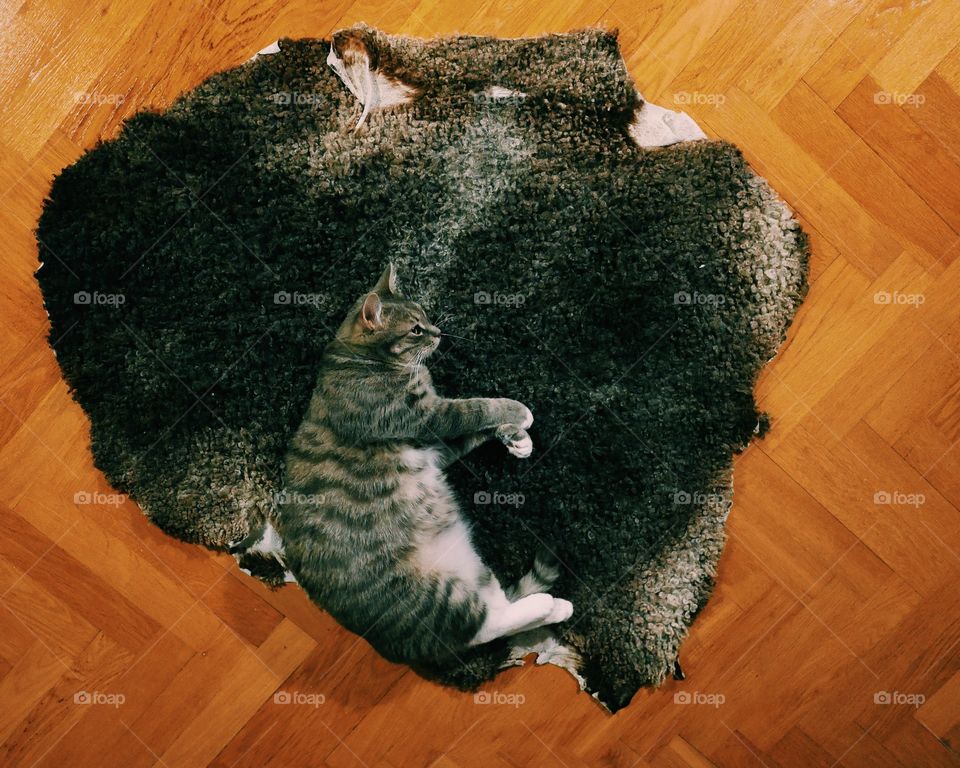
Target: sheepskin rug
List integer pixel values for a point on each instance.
(194, 268)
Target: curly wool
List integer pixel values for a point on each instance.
(634, 294)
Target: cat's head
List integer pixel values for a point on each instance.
(386, 326)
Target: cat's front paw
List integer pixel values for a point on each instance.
(516, 439)
(515, 412)
(527, 421)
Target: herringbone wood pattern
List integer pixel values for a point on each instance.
(838, 590)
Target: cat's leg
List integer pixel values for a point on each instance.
(509, 618)
(525, 614)
(443, 418)
(450, 450)
(515, 438)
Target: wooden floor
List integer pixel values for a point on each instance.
(834, 633)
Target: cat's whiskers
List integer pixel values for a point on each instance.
(415, 366)
(461, 338)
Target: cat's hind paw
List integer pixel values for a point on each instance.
(562, 610)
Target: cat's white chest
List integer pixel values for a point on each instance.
(421, 475)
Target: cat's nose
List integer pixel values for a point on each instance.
(432, 330)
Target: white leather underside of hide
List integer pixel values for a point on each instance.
(652, 125)
(655, 126)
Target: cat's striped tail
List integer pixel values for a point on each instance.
(543, 574)
(260, 555)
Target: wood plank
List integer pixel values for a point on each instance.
(919, 49)
(89, 683)
(940, 715)
(796, 46)
(69, 49)
(921, 160)
(658, 44)
(252, 680)
(859, 47)
(861, 172)
(804, 183)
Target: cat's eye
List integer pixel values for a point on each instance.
(417, 330)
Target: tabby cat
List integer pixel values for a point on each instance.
(370, 528)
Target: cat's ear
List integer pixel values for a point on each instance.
(387, 284)
(371, 313)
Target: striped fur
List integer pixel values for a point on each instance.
(370, 528)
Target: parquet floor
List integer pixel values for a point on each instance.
(834, 634)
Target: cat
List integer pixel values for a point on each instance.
(370, 528)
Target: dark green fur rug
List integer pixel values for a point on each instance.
(195, 267)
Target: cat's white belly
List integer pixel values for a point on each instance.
(450, 552)
(443, 544)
